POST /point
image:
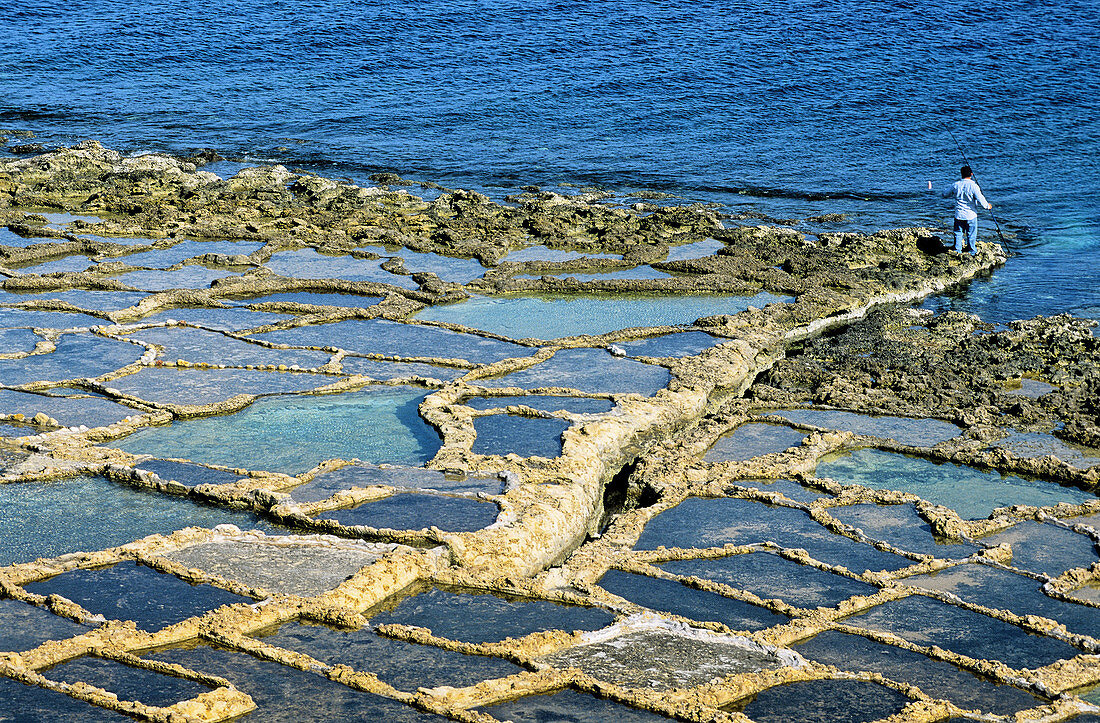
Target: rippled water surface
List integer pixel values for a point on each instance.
(790, 111)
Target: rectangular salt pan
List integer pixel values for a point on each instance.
(503, 434)
(671, 597)
(833, 701)
(198, 345)
(478, 617)
(287, 695)
(41, 704)
(916, 432)
(391, 338)
(771, 576)
(1002, 590)
(293, 434)
(698, 522)
(902, 527)
(753, 440)
(91, 513)
(25, 627)
(177, 385)
(962, 631)
(588, 370)
(417, 512)
(937, 678)
(406, 666)
(972, 493)
(569, 705)
(327, 484)
(557, 316)
(127, 681)
(293, 569)
(129, 591)
(69, 411)
(76, 356)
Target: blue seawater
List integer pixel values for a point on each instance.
(790, 110)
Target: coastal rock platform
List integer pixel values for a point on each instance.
(494, 452)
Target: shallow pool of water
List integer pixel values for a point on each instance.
(962, 631)
(75, 262)
(588, 370)
(377, 424)
(503, 434)
(405, 666)
(18, 340)
(568, 705)
(327, 484)
(972, 493)
(172, 385)
(697, 250)
(60, 220)
(1032, 388)
(670, 596)
(42, 704)
(69, 411)
(10, 238)
(822, 701)
(478, 617)
(211, 347)
(937, 678)
(235, 319)
(309, 264)
(686, 343)
(130, 591)
(391, 338)
(753, 440)
(1046, 549)
(771, 576)
(316, 297)
(186, 473)
(460, 271)
(383, 371)
(76, 356)
(25, 627)
(126, 681)
(97, 514)
(189, 249)
(699, 522)
(287, 695)
(573, 405)
(88, 299)
(902, 527)
(552, 316)
(1003, 590)
(638, 272)
(1035, 444)
(11, 316)
(544, 253)
(192, 276)
(417, 512)
(916, 432)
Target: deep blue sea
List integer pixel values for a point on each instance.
(788, 110)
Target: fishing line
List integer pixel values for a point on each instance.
(975, 177)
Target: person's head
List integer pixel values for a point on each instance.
(966, 172)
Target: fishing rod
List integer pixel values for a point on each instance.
(967, 162)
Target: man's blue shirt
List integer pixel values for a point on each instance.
(968, 197)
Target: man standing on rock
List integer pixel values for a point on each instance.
(967, 196)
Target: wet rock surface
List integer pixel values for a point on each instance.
(253, 355)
